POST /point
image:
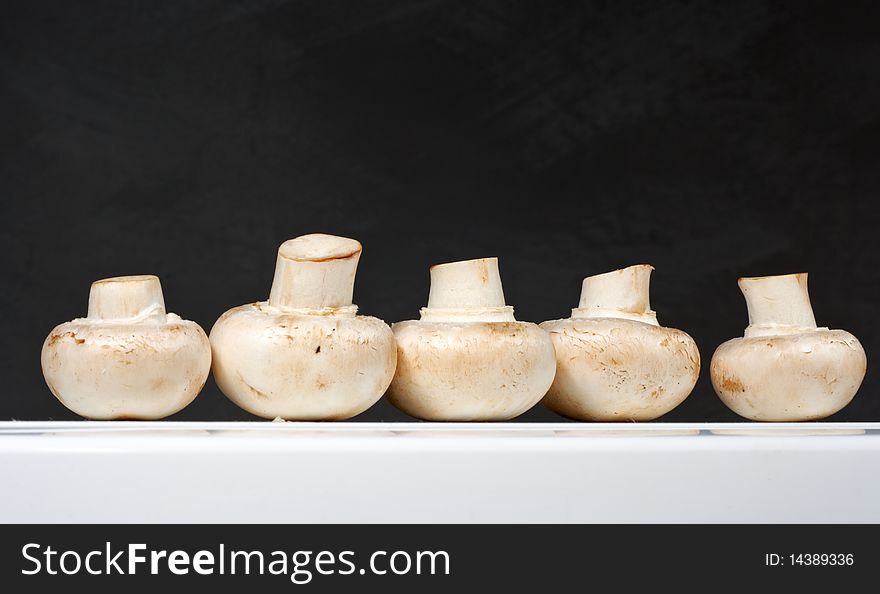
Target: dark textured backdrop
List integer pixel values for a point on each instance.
(188, 139)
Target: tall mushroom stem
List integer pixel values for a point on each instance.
(621, 294)
(467, 291)
(315, 274)
(129, 298)
(777, 305)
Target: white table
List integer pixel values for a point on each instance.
(426, 472)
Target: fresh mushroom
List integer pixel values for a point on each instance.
(785, 368)
(128, 359)
(467, 358)
(304, 354)
(614, 361)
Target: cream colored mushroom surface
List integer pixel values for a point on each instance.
(467, 358)
(127, 359)
(614, 361)
(785, 368)
(304, 354)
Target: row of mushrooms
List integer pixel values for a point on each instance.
(305, 354)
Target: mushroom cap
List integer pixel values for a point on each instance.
(301, 367)
(614, 369)
(124, 370)
(470, 371)
(793, 377)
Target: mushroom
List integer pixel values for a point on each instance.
(614, 361)
(785, 368)
(304, 354)
(127, 359)
(467, 358)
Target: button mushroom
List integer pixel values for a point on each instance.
(467, 358)
(127, 359)
(785, 368)
(304, 354)
(614, 361)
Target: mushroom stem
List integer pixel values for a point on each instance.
(621, 294)
(467, 291)
(134, 298)
(777, 305)
(315, 273)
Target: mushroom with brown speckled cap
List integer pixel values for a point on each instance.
(467, 358)
(785, 368)
(127, 359)
(304, 354)
(614, 361)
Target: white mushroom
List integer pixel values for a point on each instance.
(304, 354)
(468, 359)
(614, 361)
(785, 368)
(128, 359)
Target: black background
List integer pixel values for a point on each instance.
(189, 139)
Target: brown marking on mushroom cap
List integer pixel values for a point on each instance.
(54, 338)
(695, 369)
(328, 312)
(512, 329)
(731, 384)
